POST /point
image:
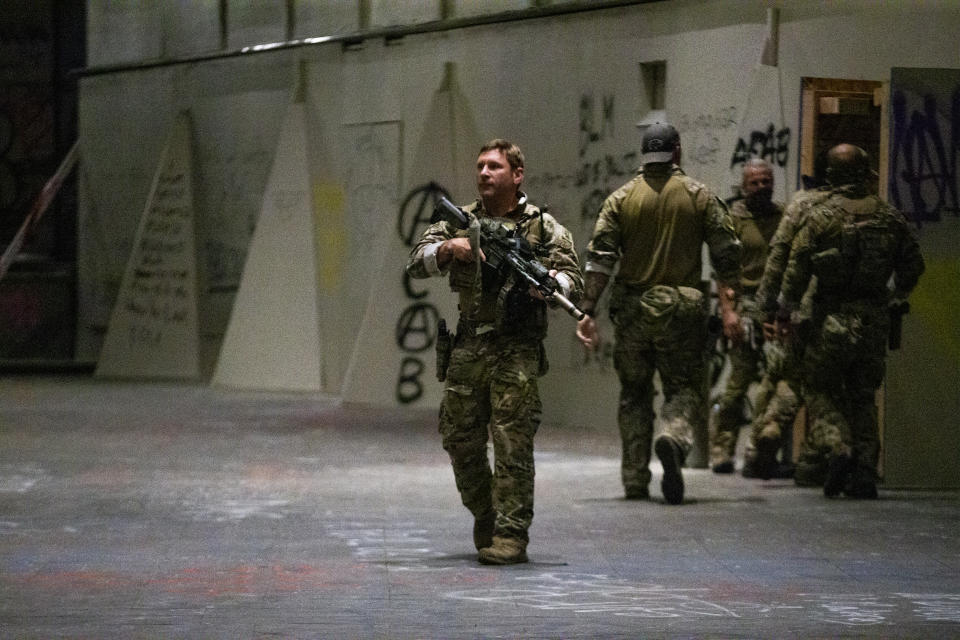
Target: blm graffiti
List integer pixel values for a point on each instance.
(606, 159)
(602, 163)
(599, 170)
(416, 328)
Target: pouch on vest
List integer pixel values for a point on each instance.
(876, 251)
(544, 363)
(444, 349)
(828, 266)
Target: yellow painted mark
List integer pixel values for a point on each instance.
(329, 205)
(936, 300)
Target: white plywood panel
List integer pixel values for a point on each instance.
(272, 340)
(153, 328)
(762, 133)
(371, 373)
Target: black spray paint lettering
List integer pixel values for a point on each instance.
(701, 134)
(416, 328)
(593, 129)
(416, 211)
(601, 170)
(923, 164)
(723, 118)
(772, 145)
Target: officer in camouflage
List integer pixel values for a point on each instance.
(853, 243)
(655, 227)
(780, 398)
(498, 354)
(755, 219)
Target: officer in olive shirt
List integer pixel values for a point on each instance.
(755, 218)
(654, 227)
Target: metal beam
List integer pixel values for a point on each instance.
(354, 39)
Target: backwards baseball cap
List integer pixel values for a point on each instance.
(659, 142)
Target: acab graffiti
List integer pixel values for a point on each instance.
(416, 328)
(772, 145)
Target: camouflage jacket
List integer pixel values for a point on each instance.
(501, 299)
(779, 251)
(853, 243)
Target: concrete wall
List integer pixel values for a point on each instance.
(568, 89)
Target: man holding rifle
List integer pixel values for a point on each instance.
(497, 353)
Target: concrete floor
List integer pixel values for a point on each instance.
(176, 511)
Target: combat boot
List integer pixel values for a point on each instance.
(839, 468)
(671, 457)
(483, 529)
(504, 551)
(862, 484)
(784, 471)
(722, 466)
(809, 474)
(767, 444)
(861, 490)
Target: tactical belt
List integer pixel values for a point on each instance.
(472, 328)
(853, 297)
(631, 288)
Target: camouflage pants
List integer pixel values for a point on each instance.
(844, 366)
(663, 330)
(778, 399)
(491, 391)
(744, 370)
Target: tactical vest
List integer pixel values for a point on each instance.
(858, 261)
(504, 301)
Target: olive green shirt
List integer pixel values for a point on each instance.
(655, 226)
(755, 230)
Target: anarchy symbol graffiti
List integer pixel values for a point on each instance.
(416, 328)
(416, 211)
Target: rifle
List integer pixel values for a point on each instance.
(897, 311)
(503, 250)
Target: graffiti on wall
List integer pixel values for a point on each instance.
(923, 160)
(416, 328)
(702, 135)
(772, 145)
(600, 169)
